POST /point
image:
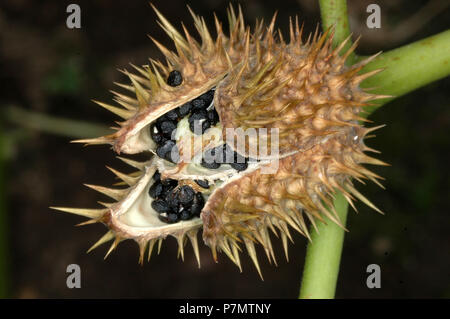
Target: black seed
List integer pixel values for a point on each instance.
(209, 156)
(173, 156)
(185, 194)
(172, 200)
(166, 190)
(167, 127)
(236, 161)
(157, 138)
(198, 104)
(212, 116)
(202, 183)
(155, 190)
(209, 159)
(164, 219)
(168, 185)
(172, 217)
(185, 214)
(197, 116)
(172, 115)
(239, 158)
(160, 206)
(197, 204)
(192, 126)
(207, 97)
(162, 150)
(161, 119)
(239, 166)
(169, 182)
(174, 78)
(155, 134)
(212, 165)
(164, 140)
(203, 126)
(157, 176)
(185, 109)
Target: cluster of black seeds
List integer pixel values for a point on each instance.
(223, 154)
(200, 115)
(162, 132)
(163, 129)
(175, 203)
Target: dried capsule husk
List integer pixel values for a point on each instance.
(300, 98)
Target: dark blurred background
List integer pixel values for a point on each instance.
(50, 69)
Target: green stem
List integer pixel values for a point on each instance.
(54, 125)
(323, 256)
(410, 67)
(334, 13)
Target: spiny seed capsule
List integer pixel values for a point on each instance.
(174, 78)
(303, 89)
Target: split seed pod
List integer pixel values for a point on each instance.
(300, 94)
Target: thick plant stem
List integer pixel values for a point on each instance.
(52, 124)
(409, 67)
(334, 13)
(323, 256)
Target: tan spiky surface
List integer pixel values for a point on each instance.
(302, 89)
(203, 65)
